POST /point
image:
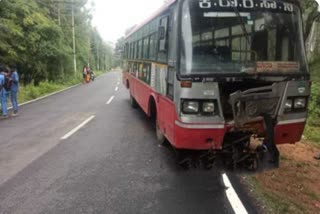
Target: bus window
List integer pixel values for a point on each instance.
(127, 51)
(153, 46)
(137, 50)
(131, 51)
(145, 70)
(150, 47)
(140, 53)
(163, 34)
(163, 39)
(146, 48)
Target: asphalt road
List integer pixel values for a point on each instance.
(111, 165)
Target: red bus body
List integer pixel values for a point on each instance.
(195, 136)
(203, 110)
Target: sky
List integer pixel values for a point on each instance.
(113, 17)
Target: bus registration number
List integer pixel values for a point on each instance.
(247, 4)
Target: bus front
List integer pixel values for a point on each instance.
(242, 74)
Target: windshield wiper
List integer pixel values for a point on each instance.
(243, 27)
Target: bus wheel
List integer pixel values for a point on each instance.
(161, 139)
(133, 102)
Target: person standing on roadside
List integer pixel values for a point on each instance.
(14, 77)
(84, 73)
(88, 74)
(3, 92)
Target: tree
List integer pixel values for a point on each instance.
(37, 36)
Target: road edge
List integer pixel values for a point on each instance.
(53, 93)
(46, 96)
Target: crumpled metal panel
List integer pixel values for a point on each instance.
(251, 104)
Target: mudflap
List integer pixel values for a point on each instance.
(268, 156)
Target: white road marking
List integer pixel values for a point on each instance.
(117, 88)
(77, 128)
(233, 198)
(110, 100)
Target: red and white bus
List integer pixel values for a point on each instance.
(215, 74)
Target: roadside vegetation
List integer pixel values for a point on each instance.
(37, 36)
(312, 131)
(30, 91)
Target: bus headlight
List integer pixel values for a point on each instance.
(208, 107)
(288, 105)
(300, 103)
(190, 107)
(295, 104)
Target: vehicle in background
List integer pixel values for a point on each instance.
(92, 75)
(217, 74)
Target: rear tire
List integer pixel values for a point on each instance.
(133, 102)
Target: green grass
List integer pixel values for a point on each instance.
(272, 202)
(315, 71)
(312, 133)
(31, 92)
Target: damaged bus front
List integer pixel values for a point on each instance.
(248, 58)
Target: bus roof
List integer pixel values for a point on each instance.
(155, 14)
(170, 2)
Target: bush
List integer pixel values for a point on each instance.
(30, 92)
(314, 106)
(312, 131)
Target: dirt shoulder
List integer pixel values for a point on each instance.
(294, 187)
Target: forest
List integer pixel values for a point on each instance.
(37, 36)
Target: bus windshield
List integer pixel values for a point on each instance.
(241, 36)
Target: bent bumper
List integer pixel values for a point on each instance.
(210, 136)
(199, 136)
